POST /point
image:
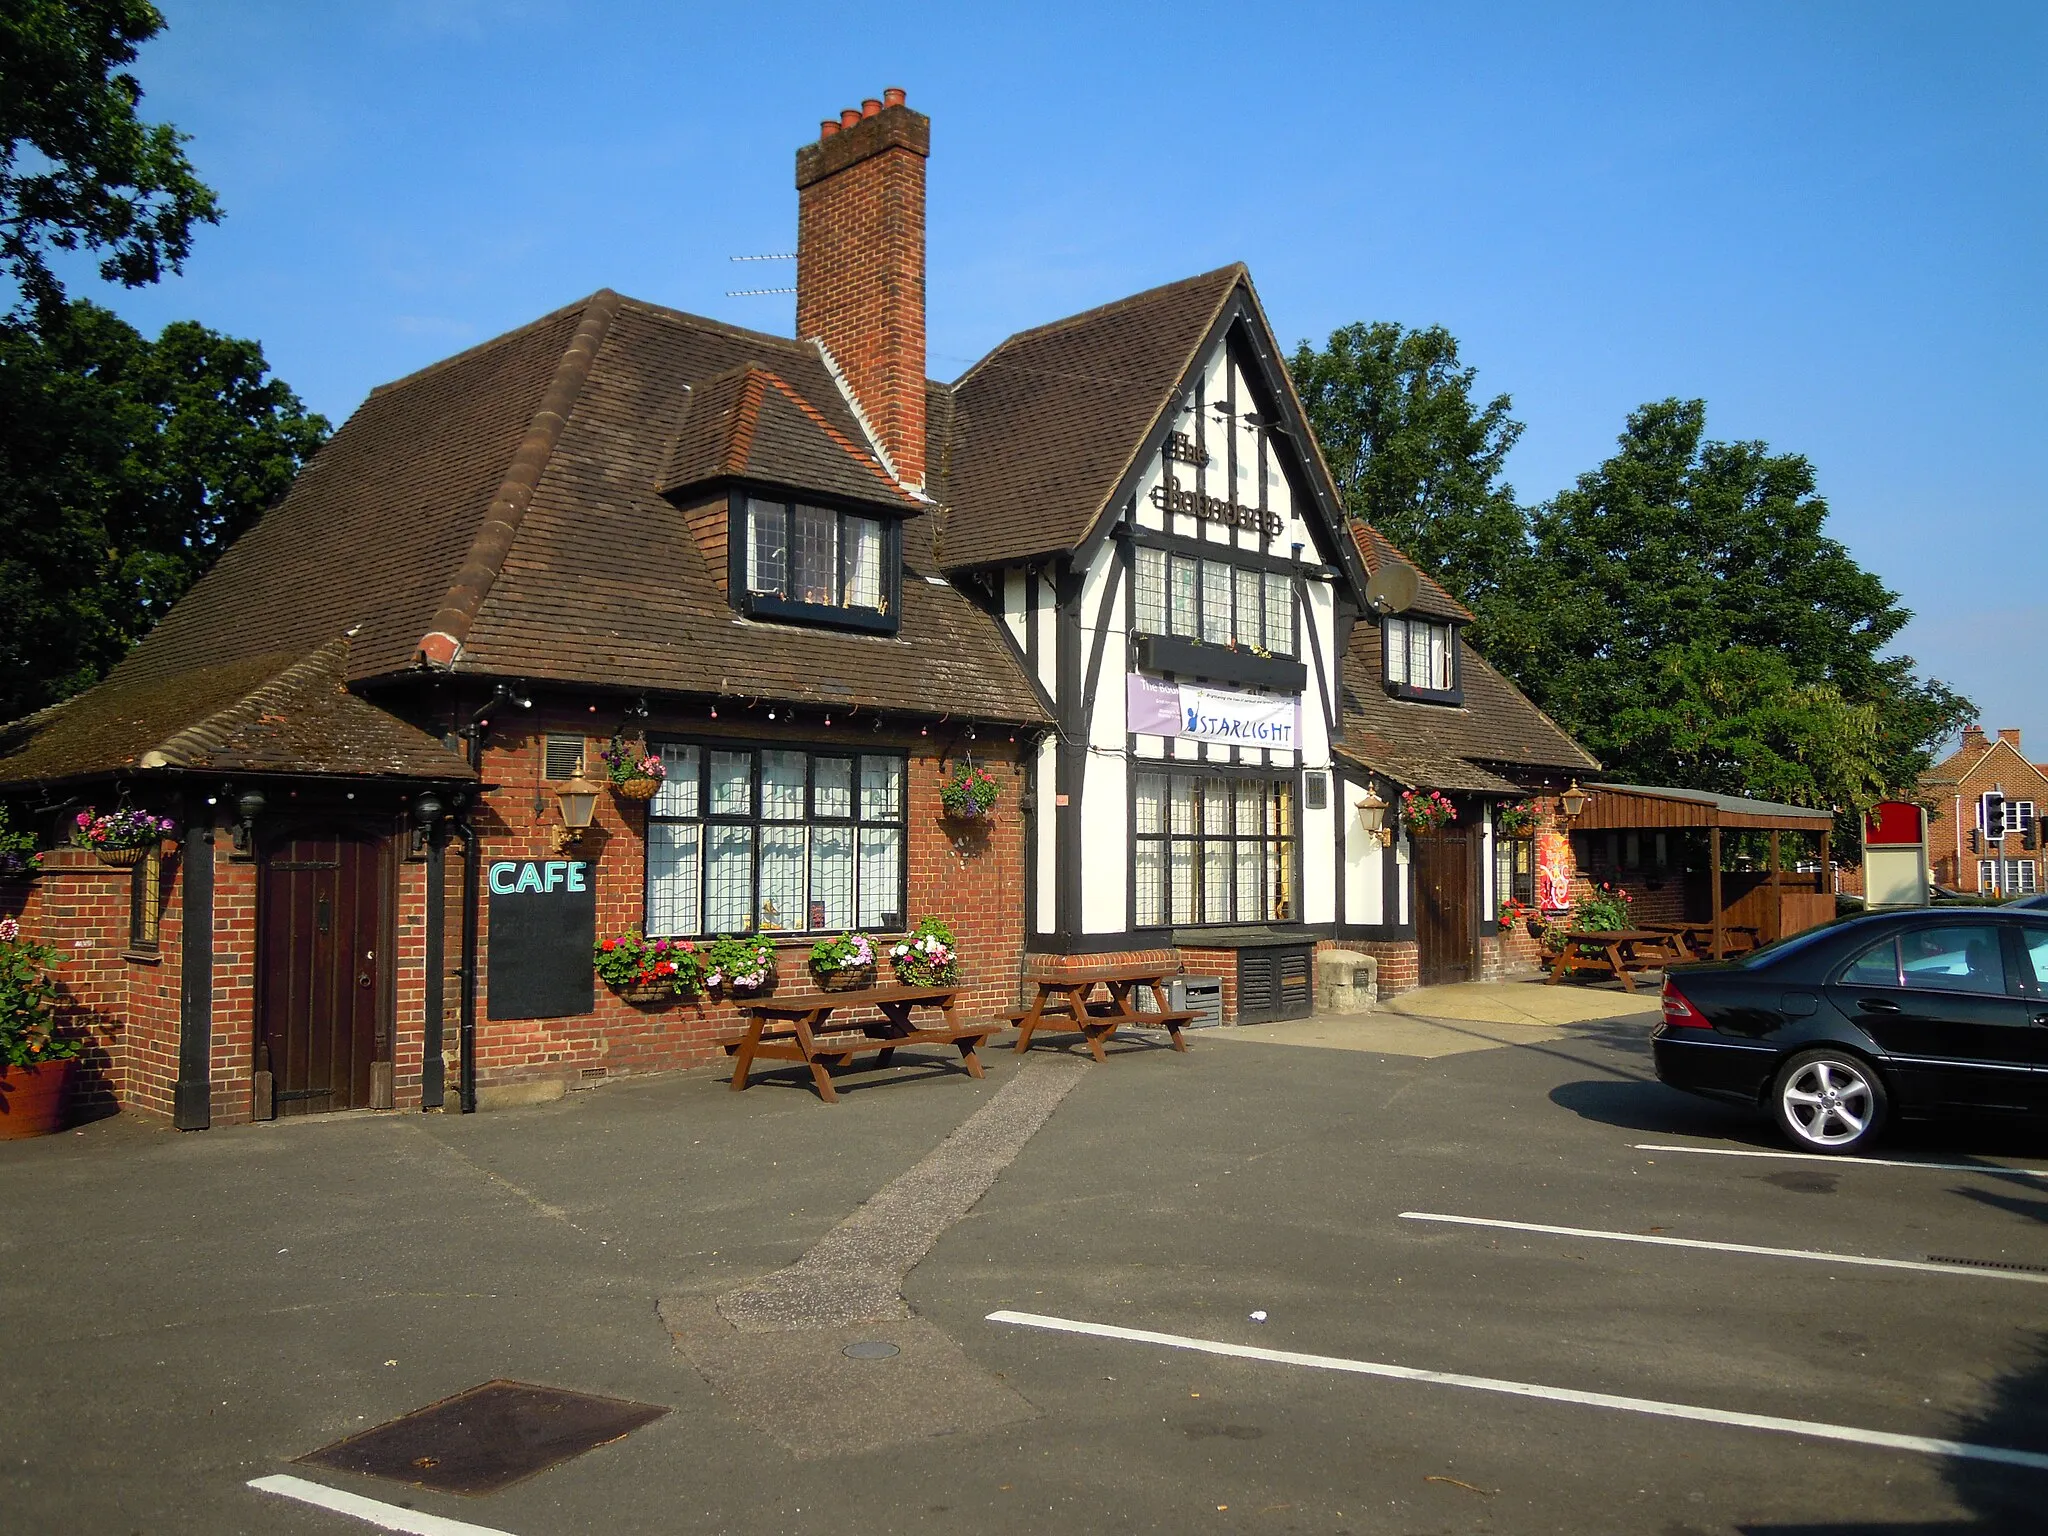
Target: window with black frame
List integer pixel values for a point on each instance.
(1212, 848)
(818, 563)
(145, 902)
(1514, 869)
(1422, 659)
(1212, 600)
(774, 839)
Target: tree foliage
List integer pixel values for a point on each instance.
(1680, 610)
(126, 466)
(78, 167)
(1415, 453)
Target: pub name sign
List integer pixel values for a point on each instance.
(1170, 496)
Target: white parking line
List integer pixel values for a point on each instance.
(1969, 1270)
(388, 1517)
(1825, 1157)
(1810, 1428)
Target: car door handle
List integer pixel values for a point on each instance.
(1877, 1005)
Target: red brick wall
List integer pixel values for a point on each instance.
(1994, 769)
(860, 275)
(972, 880)
(80, 907)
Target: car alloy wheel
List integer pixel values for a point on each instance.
(1829, 1101)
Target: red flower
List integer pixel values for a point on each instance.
(611, 944)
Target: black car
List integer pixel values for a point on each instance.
(1835, 1030)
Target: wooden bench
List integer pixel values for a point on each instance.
(800, 1029)
(1066, 1003)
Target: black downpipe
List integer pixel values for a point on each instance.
(472, 891)
(192, 1108)
(433, 1068)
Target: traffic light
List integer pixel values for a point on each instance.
(1994, 815)
(1976, 841)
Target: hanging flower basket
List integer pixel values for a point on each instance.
(927, 957)
(121, 838)
(845, 963)
(636, 773)
(1426, 810)
(740, 965)
(645, 971)
(970, 793)
(1517, 820)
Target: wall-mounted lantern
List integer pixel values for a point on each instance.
(249, 804)
(578, 797)
(1372, 815)
(1572, 803)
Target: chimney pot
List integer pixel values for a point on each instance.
(1973, 736)
(893, 96)
(828, 127)
(849, 117)
(870, 107)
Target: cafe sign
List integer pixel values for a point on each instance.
(1212, 714)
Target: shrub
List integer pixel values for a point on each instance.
(28, 997)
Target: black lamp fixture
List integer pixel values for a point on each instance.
(249, 804)
(427, 815)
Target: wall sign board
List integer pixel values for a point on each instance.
(543, 925)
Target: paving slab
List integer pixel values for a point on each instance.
(1526, 1002)
(1386, 1034)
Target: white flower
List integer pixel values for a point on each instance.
(10, 930)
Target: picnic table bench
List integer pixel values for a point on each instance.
(801, 1028)
(1623, 953)
(1699, 937)
(1067, 1003)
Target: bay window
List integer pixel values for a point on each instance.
(1212, 848)
(744, 839)
(803, 562)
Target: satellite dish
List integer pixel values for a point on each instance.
(1392, 588)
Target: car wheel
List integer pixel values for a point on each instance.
(1829, 1101)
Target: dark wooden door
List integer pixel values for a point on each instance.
(1445, 925)
(322, 970)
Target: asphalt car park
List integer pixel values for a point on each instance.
(1304, 1308)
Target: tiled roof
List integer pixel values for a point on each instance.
(748, 423)
(1431, 600)
(504, 506)
(262, 714)
(1473, 746)
(1046, 425)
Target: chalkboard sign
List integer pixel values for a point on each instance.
(543, 924)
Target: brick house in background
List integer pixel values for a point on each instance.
(1984, 801)
(1108, 565)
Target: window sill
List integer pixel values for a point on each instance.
(755, 605)
(1410, 692)
(143, 956)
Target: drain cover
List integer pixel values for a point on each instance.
(871, 1349)
(486, 1438)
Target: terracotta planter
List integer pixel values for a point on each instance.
(848, 978)
(638, 789)
(121, 858)
(32, 1099)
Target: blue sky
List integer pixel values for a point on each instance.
(1826, 220)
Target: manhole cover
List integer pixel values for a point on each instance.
(486, 1438)
(871, 1349)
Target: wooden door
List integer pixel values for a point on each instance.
(1445, 925)
(322, 970)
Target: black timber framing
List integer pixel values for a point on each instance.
(192, 1099)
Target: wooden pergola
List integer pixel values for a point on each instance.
(1637, 807)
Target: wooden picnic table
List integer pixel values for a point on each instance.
(1067, 1003)
(1622, 953)
(1699, 937)
(800, 1028)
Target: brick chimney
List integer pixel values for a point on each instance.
(860, 264)
(2011, 737)
(1973, 738)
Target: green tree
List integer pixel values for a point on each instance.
(1416, 454)
(78, 168)
(1686, 616)
(126, 466)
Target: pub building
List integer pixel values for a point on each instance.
(1107, 566)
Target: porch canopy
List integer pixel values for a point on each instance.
(1773, 907)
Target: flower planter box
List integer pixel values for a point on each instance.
(32, 1098)
(644, 997)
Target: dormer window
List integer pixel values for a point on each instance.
(1422, 660)
(817, 564)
